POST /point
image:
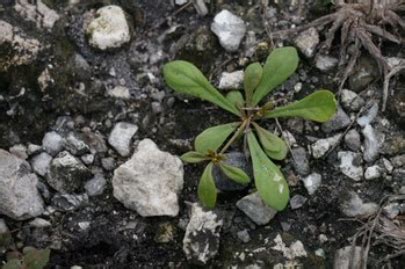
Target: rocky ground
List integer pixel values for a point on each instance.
(90, 138)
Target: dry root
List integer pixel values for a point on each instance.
(359, 22)
(381, 230)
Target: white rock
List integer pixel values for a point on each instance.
(39, 13)
(120, 137)
(369, 116)
(352, 206)
(373, 172)
(40, 163)
(45, 80)
(180, 2)
(200, 7)
(322, 146)
(19, 196)
(371, 145)
(109, 29)
(150, 181)
(231, 81)
(201, 240)
(388, 165)
(19, 150)
(350, 165)
(346, 256)
(3, 227)
(53, 143)
(312, 182)
(325, 63)
(255, 208)
(22, 51)
(40, 223)
(230, 30)
(295, 250)
(307, 41)
(120, 92)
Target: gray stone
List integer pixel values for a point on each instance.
(224, 183)
(180, 2)
(353, 140)
(371, 145)
(325, 63)
(108, 163)
(3, 227)
(69, 202)
(120, 137)
(312, 182)
(398, 161)
(75, 145)
(392, 210)
(300, 161)
(351, 101)
(109, 29)
(244, 236)
(229, 28)
(201, 240)
(231, 81)
(347, 256)
(200, 7)
(40, 163)
(19, 150)
(19, 196)
(373, 172)
(150, 181)
(369, 116)
(338, 122)
(322, 146)
(365, 71)
(297, 201)
(33, 149)
(350, 165)
(53, 143)
(67, 173)
(96, 185)
(255, 208)
(353, 206)
(307, 41)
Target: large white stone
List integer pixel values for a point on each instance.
(19, 196)
(350, 165)
(109, 29)
(150, 181)
(230, 30)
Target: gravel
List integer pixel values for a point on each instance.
(230, 30)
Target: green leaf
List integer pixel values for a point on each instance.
(36, 258)
(12, 264)
(253, 75)
(212, 138)
(269, 180)
(184, 77)
(320, 107)
(236, 98)
(193, 157)
(234, 173)
(207, 191)
(274, 146)
(280, 64)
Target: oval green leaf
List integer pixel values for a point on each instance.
(207, 191)
(279, 66)
(184, 77)
(212, 138)
(234, 173)
(193, 157)
(253, 75)
(236, 98)
(319, 106)
(36, 258)
(274, 146)
(269, 180)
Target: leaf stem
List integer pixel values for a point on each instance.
(238, 132)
